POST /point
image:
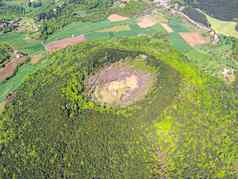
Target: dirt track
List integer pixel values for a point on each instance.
(10, 68)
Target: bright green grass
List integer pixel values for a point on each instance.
(90, 30)
(177, 25)
(223, 27)
(163, 130)
(178, 43)
(21, 42)
(79, 28)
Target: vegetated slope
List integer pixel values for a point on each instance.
(5, 53)
(185, 128)
(221, 9)
(223, 27)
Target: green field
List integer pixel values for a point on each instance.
(91, 29)
(178, 25)
(177, 42)
(22, 42)
(223, 27)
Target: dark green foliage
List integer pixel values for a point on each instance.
(221, 9)
(55, 131)
(131, 8)
(57, 17)
(196, 16)
(233, 43)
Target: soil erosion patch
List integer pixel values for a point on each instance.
(194, 38)
(119, 84)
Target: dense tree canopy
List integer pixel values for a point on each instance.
(53, 130)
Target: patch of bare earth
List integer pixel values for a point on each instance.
(119, 84)
(194, 38)
(60, 44)
(147, 21)
(116, 18)
(10, 68)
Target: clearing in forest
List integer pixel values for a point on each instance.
(193, 38)
(119, 84)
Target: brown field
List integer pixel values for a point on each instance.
(167, 27)
(194, 38)
(60, 44)
(10, 68)
(119, 84)
(116, 17)
(147, 21)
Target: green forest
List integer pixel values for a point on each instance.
(192, 115)
(118, 89)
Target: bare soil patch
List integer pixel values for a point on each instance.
(119, 84)
(10, 68)
(116, 18)
(167, 27)
(147, 21)
(194, 38)
(60, 44)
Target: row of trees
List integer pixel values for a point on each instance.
(59, 16)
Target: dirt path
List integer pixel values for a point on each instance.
(60, 44)
(10, 68)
